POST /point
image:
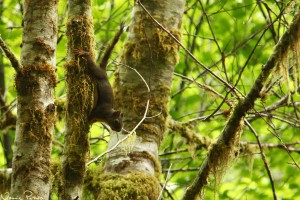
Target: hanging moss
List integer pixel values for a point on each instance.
(192, 138)
(79, 103)
(80, 28)
(222, 153)
(79, 96)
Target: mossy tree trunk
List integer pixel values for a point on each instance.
(134, 164)
(79, 101)
(35, 83)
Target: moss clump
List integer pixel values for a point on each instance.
(134, 186)
(80, 31)
(165, 51)
(28, 79)
(223, 152)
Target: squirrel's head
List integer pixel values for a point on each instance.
(115, 121)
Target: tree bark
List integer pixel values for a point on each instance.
(35, 83)
(79, 101)
(154, 54)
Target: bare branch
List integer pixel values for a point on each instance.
(167, 177)
(9, 54)
(263, 158)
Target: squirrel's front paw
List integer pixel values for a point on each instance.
(80, 52)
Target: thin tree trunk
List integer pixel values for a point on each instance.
(6, 144)
(6, 141)
(35, 83)
(79, 101)
(154, 54)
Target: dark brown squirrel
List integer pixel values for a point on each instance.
(103, 108)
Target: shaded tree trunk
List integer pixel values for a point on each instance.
(35, 83)
(79, 101)
(6, 141)
(154, 54)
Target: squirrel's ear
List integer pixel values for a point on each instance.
(117, 113)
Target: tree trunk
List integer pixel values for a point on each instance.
(154, 54)
(35, 83)
(79, 101)
(6, 141)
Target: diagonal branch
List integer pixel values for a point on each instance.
(230, 135)
(9, 54)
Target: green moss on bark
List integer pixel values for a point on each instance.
(154, 54)
(79, 103)
(133, 186)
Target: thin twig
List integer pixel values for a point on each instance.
(219, 107)
(279, 103)
(165, 183)
(263, 158)
(256, 45)
(133, 130)
(215, 40)
(271, 116)
(205, 87)
(272, 146)
(188, 52)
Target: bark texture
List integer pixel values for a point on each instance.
(35, 83)
(154, 54)
(79, 101)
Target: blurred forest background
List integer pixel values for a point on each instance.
(234, 39)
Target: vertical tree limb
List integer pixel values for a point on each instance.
(35, 83)
(153, 54)
(79, 99)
